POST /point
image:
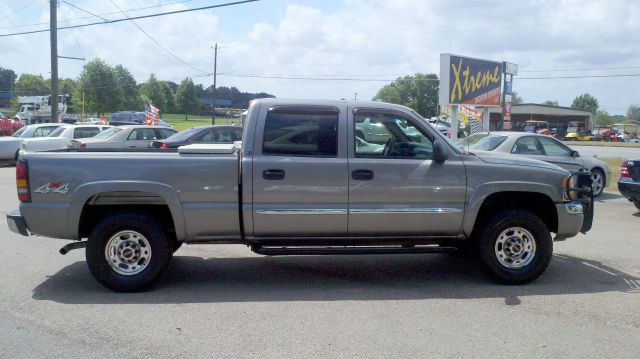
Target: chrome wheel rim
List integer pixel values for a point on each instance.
(515, 248)
(596, 183)
(128, 252)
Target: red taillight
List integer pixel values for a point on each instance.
(624, 170)
(22, 181)
(83, 145)
(164, 145)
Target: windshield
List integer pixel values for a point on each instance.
(57, 132)
(108, 133)
(19, 132)
(183, 135)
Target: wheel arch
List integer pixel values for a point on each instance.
(92, 200)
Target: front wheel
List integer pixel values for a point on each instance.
(515, 247)
(128, 252)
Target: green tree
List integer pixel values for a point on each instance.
(7, 79)
(130, 95)
(551, 103)
(186, 97)
(31, 85)
(419, 92)
(602, 118)
(169, 98)
(586, 102)
(633, 113)
(152, 91)
(516, 99)
(102, 92)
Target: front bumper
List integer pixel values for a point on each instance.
(573, 218)
(630, 189)
(16, 223)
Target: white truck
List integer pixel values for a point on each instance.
(37, 109)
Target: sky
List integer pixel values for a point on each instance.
(349, 48)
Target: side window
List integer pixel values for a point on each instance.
(238, 134)
(303, 134)
(204, 137)
(44, 131)
(403, 138)
(84, 132)
(526, 146)
(553, 148)
(142, 134)
(223, 135)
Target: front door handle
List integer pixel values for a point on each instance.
(362, 175)
(273, 175)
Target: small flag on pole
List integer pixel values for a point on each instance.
(152, 114)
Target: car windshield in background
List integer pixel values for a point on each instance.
(57, 132)
(183, 135)
(108, 133)
(483, 142)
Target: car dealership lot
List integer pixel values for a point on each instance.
(224, 301)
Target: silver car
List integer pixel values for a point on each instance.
(543, 148)
(10, 145)
(134, 136)
(61, 138)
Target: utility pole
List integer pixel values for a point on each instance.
(53, 30)
(215, 70)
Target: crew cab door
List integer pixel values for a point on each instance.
(395, 188)
(300, 172)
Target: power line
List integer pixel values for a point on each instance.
(133, 18)
(154, 40)
(18, 10)
(83, 10)
(103, 14)
(577, 77)
(585, 69)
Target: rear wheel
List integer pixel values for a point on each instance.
(637, 203)
(128, 252)
(515, 247)
(597, 181)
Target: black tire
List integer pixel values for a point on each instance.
(160, 250)
(176, 245)
(604, 181)
(17, 155)
(637, 203)
(490, 234)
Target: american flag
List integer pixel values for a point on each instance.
(152, 114)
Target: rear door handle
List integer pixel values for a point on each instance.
(273, 175)
(362, 175)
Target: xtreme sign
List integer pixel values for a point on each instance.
(469, 81)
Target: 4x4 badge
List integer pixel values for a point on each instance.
(53, 187)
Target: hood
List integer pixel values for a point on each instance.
(514, 160)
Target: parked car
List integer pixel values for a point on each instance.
(629, 183)
(61, 137)
(10, 146)
(138, 136)
(543, 148)
(201, 134)
(316, 194)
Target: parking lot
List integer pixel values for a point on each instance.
(224, 301)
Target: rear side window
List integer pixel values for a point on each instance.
(85, 132)
(142, 134)
(304, 134)
(526, 146)
(44, 131)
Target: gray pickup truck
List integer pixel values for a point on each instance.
(308, 178)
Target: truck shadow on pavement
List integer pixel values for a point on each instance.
(333, 278)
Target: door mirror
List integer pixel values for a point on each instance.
(440, 153)
(574, 154)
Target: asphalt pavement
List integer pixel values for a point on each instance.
(224, 301)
